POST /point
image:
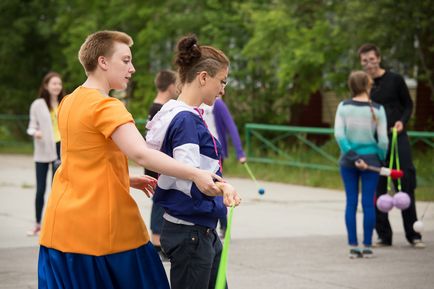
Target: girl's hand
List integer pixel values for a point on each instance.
(361, 165)
(204, 181)
(145, 183)
(230, 195)
(37, 134)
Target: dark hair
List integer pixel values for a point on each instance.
(164, 79)
(43, 92)
(359, 82)
(369, 47)
(192, 58)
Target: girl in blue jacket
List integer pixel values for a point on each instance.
(188, 236)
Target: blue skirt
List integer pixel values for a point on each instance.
(137, 268)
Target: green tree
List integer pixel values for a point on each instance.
(29, 47)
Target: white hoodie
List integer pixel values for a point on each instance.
(159, 124)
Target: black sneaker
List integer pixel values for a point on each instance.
(356, 253)
(367, 252)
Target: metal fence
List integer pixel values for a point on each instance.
(269, 144)
(265, 143)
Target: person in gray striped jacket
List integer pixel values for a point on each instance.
(361, 133)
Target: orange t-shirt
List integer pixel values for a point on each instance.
(90, 209)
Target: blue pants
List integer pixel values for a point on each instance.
(350, 177)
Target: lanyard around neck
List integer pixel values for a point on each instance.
(200, 112)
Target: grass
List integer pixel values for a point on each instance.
(19, 148)
(423, 161)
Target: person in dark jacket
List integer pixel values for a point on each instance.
(390, 90)
(165, 82)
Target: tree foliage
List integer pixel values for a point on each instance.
(281, 51)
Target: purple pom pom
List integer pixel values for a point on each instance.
(385, 203)
(401, 200)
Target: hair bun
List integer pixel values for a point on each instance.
(188, 51)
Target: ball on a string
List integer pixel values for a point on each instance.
(261, 191)
(385, 203)
(418, 226)
(401, 200)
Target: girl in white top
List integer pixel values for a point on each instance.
(43, 127)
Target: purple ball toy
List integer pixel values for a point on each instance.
(401, 200)
(385, 203)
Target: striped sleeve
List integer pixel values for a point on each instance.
(185, 146)
(339, 130)
(383, 140)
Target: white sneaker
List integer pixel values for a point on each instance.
(367, 252)
(417, 243)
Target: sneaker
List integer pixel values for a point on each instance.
(356, 253)
(417, 243)
(367, 252)
(35, 231)
(381, 243)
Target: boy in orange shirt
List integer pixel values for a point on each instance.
(93, 235)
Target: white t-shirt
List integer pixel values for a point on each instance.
(208, 116)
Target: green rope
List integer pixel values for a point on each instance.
(221, 275)
(251, 174)
(394, 154)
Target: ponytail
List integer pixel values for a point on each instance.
(374, 118)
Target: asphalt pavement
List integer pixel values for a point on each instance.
(291, 237)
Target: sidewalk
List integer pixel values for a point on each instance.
(292, 237)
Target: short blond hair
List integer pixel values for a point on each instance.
(100, 44)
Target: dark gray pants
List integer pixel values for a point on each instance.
(194, 254)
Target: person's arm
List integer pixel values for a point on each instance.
(224, 114)
(406, 102)
(147, 184)
(132, 144)
(230, 195)
(383, 140)
(339, 131)
(341, 139)
(33, 127)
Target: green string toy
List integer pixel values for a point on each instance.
(221, 275)
(394, 154)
